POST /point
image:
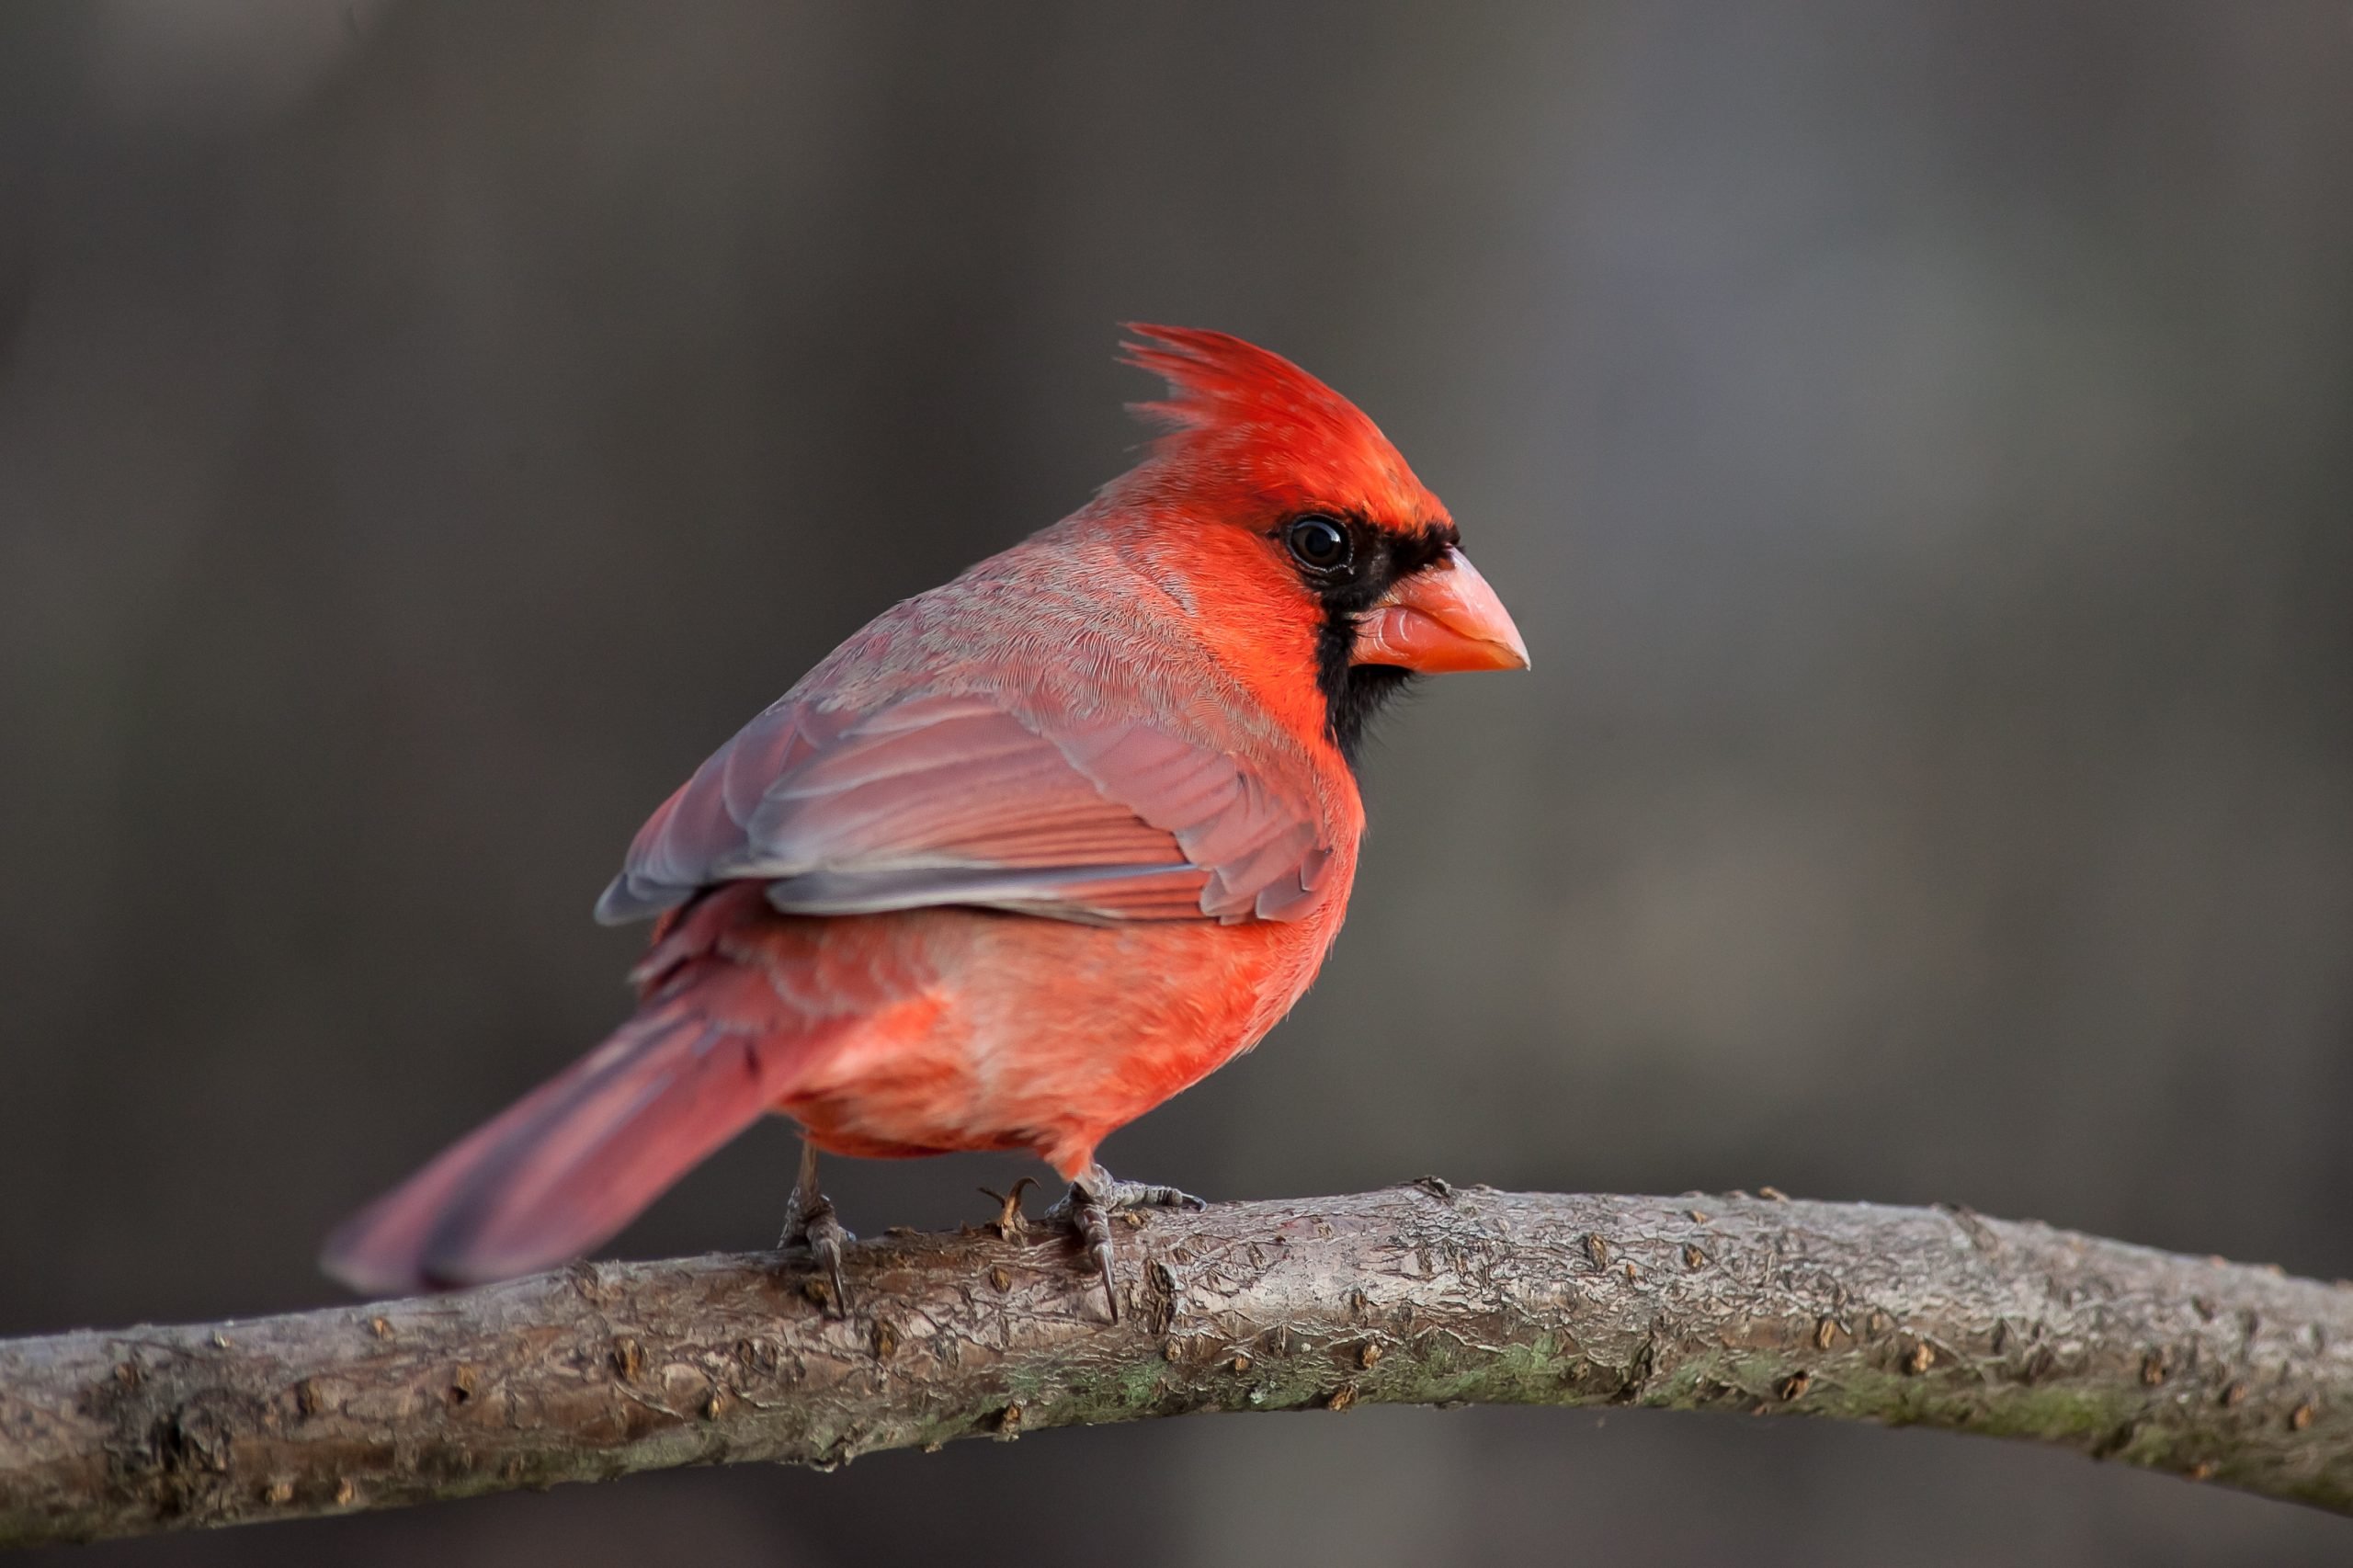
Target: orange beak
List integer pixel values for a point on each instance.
(1441, 619)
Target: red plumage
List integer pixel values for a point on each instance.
(1023, 858)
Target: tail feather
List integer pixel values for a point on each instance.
(579, 1157)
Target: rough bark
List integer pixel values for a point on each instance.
(1421, 1294)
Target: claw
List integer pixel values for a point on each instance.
(810, 1222)
(826, 1238)
(1087, 1208)
(1093, 1225)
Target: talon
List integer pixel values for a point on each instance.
(1088, 1208)
(827, 1239)
(1094, 1227)
(1010, 1222)
(824, 1234)
(810, 1222)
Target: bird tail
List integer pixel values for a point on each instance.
(570, 1163)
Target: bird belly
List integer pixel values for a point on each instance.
(1046, 1035)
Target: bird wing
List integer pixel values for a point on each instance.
(968, 800)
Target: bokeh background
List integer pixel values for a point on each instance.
(1917, 440)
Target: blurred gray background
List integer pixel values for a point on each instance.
(1917, 440)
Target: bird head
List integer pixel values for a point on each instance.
(1309, 523)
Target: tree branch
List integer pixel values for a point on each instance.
(1419, 1294)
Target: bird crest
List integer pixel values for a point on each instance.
(1238, 417)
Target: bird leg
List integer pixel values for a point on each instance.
(1088, 1208)
(809, 1220)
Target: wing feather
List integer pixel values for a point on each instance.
(963, 800)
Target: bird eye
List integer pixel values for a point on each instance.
(1319, 544)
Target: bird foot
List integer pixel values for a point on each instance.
(810, 1222)
(1087, 1208)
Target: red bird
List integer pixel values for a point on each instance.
(1021, 859)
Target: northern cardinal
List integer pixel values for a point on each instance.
(1019, 861)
